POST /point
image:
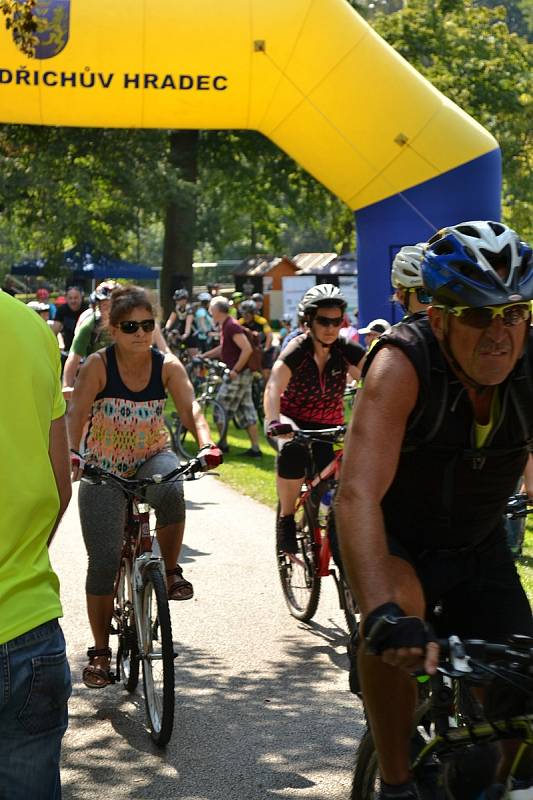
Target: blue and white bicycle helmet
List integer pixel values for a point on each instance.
(478, 264)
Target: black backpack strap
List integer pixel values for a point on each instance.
(521, 395)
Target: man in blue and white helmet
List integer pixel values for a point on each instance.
(407, 281)
(439, 438)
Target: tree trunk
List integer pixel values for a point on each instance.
(180, 219)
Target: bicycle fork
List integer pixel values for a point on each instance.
(139, 565)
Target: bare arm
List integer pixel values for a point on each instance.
(188, 326)
(528, 476)
(246, 351)
(91, 380)
(71, 368)
(59, 458)
(56, 326)
(355, 371)
(215, 352)
(276, 385)
(370, 461)
(158, 339)
(176, 381)
(170, 321)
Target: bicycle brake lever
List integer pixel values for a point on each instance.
(458, 657)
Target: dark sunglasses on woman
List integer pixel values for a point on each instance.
(132, 326)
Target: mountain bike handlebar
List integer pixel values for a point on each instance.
(92, 473)
(332, 435)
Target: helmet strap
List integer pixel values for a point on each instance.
(309, 322)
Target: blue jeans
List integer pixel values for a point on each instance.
(34, 689)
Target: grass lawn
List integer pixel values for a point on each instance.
(255, 477)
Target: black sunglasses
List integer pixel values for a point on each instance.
(329, 322)
(132, 326)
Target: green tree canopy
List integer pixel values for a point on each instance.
(468, 52)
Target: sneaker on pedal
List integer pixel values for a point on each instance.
(286, 534)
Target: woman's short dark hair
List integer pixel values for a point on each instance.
(124, 299)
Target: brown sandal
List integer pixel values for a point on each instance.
(103, 676)
(181, 589)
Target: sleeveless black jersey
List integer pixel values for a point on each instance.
(448, 493)
(309, 396)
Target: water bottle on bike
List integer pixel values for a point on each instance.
(324, 507)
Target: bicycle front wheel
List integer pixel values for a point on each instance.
(366, 781)
(128, 650)
(217, 420)
(157, 655)
(300, 581)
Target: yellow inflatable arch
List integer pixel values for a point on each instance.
(311, 75)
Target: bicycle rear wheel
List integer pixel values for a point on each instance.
(128, 649)
(215, 414)
(157, 655)
(349, 607)
(300, 581)
(258, 390)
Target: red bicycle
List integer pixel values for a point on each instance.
(301, 573)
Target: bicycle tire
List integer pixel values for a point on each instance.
(461, 776)
(365, 784)
(157, 649)
(347, 601)
(349, 607)
(170, 425)
(128, 647)
(216, 417)
(258, 390)
(300, 582)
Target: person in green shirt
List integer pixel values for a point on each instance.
(35, 477)
(91, 334)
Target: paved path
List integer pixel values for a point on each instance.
(262, 709)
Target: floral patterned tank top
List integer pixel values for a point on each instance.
(127, 428)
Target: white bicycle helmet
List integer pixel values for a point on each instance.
(324, 295)
(406, 270)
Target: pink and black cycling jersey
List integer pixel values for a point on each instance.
(309, 396)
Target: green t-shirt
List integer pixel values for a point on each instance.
(90, 337)
(30, 399)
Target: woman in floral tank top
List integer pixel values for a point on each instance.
(122, 389)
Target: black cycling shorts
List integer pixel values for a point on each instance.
(293, 458)
(267, 358)
(478, 591)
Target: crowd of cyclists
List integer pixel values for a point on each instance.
(440, 435)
